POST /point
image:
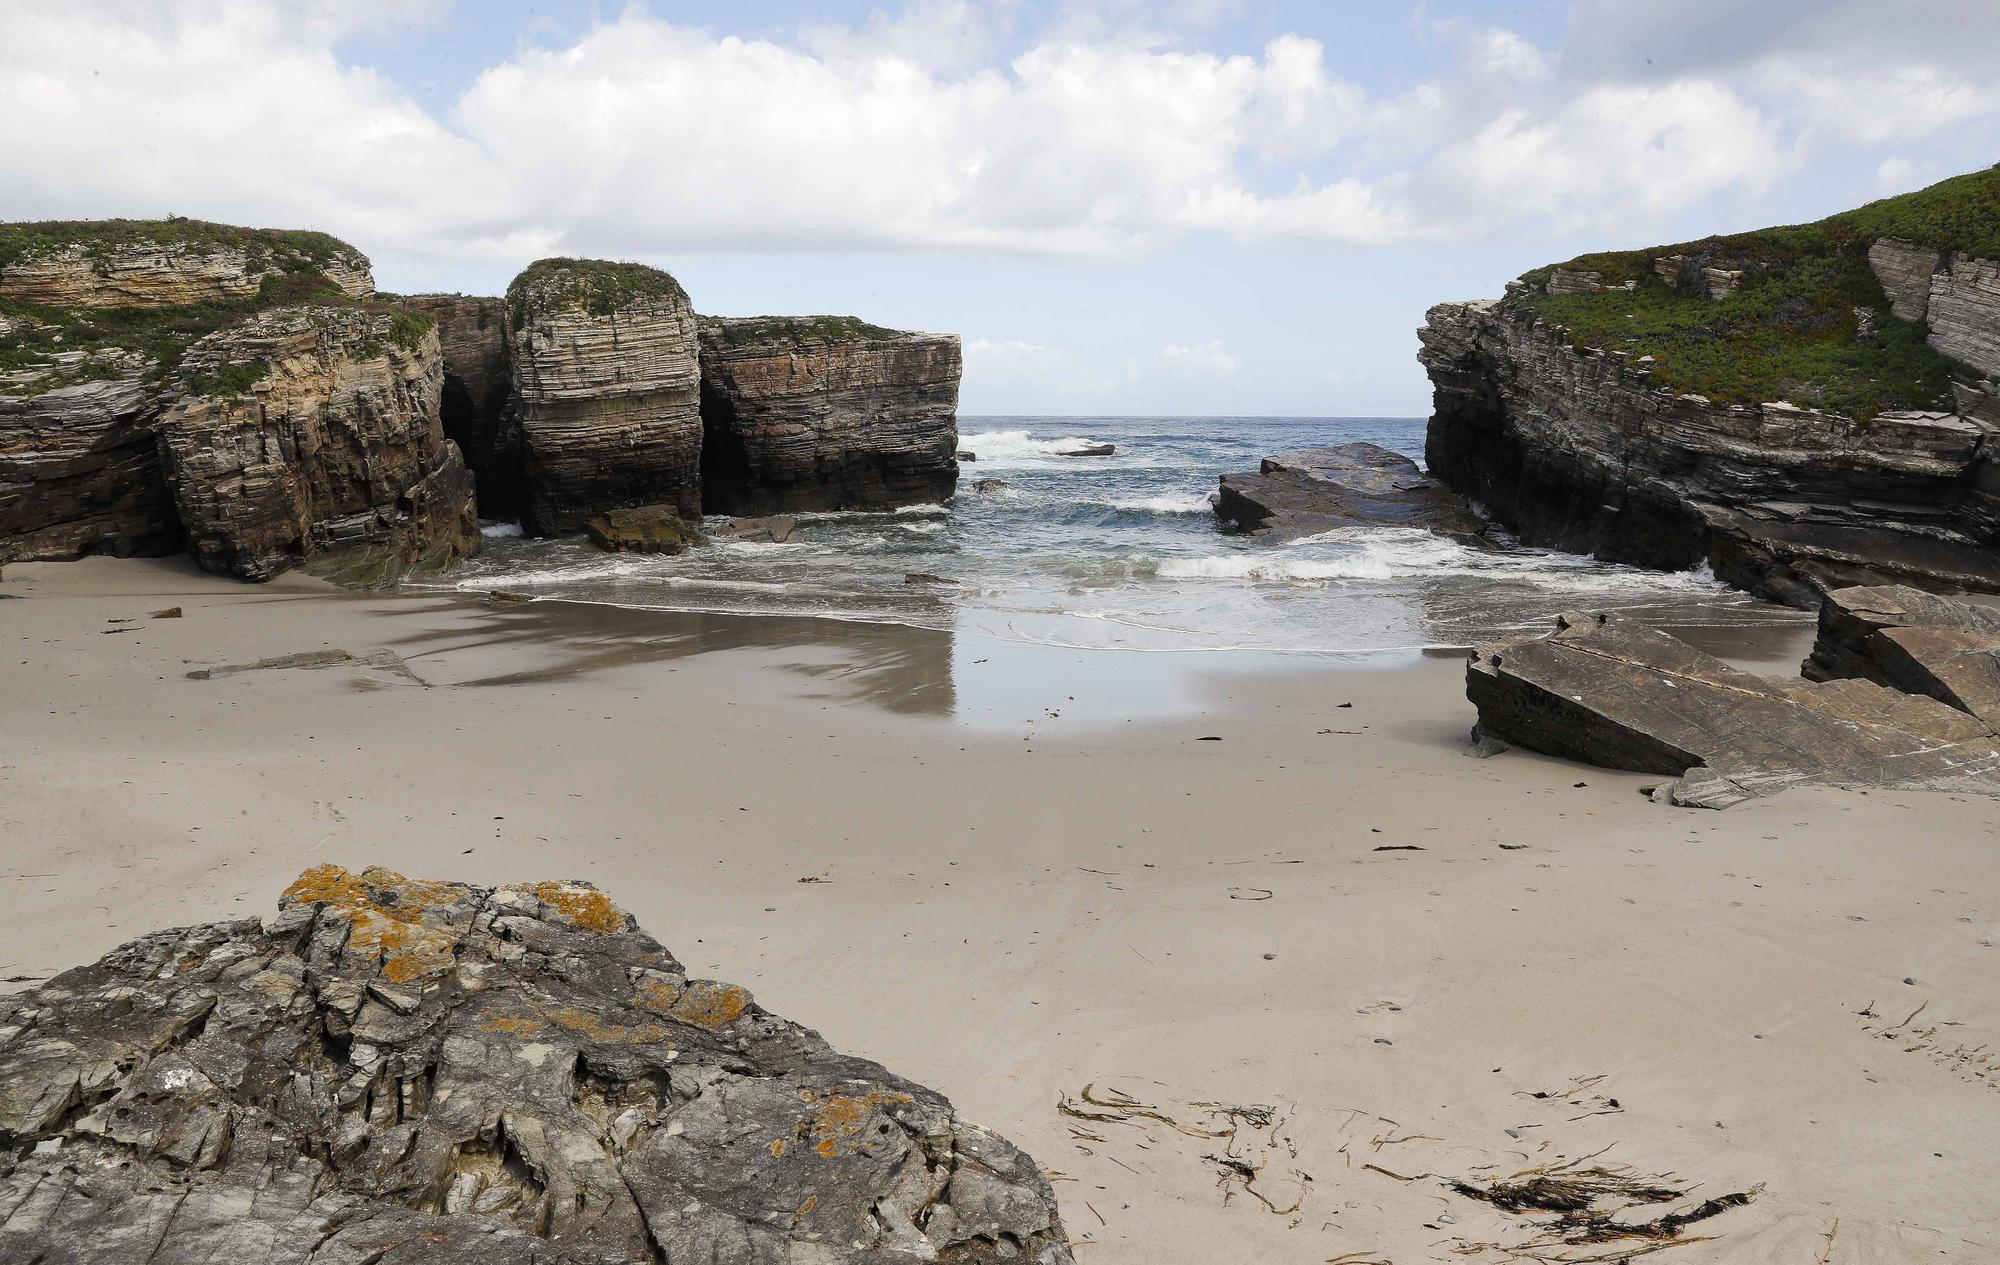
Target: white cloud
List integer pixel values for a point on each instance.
(646, 138)
(1209, 358)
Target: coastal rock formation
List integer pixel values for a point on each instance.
(1912, 641)
(1787, 433)
(315, 430)
(1314, 490)
(1624, 696)
(478, 388)
(641, 529)
(165, 263)
(606, 383)
(394, 1070)
(826, 413)
(79, 460)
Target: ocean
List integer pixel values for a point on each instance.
(1122, 552)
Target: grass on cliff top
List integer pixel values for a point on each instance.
(598, 286)
(1789, 332)
(292, 250)
(164, 334)
(740, 331)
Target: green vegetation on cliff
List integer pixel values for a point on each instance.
(598, 286)
(41, 337)
(1793, 328)
(741, 331)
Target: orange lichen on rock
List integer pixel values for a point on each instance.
(597, 1027)
(841, 1117)
(707, 1004)
(386, 914)
(581, 906)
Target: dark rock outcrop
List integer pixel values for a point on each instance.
(404, 1071)
(314, 431)
(826, 413)
(607, 387)
(1912, 641)
(641, 529)
(1314, 490)
(1746, 403)
(478, 389)
(771, 529)
(1624, 696)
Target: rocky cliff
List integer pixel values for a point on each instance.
(1801, 409)
(823, 413)
(606, 383)
(311, 431)
(478, 393)
(174, 380)
(394, 1070)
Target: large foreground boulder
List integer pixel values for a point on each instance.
(403, 1072)
(1314, 490)
(1624, 696)
(826, 413)
(607, 385)
(1912, 641)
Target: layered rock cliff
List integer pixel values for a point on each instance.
(314, 430)
(478, 391)
(393, 1070)
(173, 380)
(824, 413)
(606, 383)
(1801, 409)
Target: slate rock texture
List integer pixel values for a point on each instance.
(826, 413)
(607, 386)
(314, 430)
(1912, 641)
(1623, 696)
(399, 1072)
(1573, 448)
(475, 406)
(1315, 490)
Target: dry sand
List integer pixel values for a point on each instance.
(1031, 876)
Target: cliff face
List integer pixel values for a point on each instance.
(237, 388)
(478, 390)
(315, 430)
(821, 413)
(607, 388)
(1637, 409)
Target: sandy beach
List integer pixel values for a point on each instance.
(1011, 872)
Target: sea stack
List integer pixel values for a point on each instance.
(1799, 409)
(236, 389)
(606, 382)
(826, 413)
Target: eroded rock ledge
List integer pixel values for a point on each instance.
(1902, 691)
(1314, 490)
(400, 1071)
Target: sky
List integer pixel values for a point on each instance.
(1214, 207)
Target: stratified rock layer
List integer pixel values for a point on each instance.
(398, 1071)
(1628, 697)
(315, 430)
(167, 263)
(607, 384)
(1577, 449)
(478, 389)
(825, 413)
(80, 462)
(1913, 641)
(1303, 493)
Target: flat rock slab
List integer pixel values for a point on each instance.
(1624, 696)
(643, 529)
(1315, 490)
(1914, 641)
(400, 1071)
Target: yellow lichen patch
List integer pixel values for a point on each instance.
(707, 1004)
(840, 1118)
(656, 992)
(513, 1026)
(582, 907)
(591, 1024)
(386, 912)
(777, 1148)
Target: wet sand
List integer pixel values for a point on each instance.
(1031, 874)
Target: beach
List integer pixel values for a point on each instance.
(1011, 871)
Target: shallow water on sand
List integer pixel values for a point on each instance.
(1122, 552)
